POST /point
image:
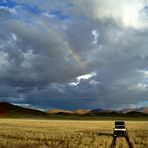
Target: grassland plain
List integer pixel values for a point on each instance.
(23, 133)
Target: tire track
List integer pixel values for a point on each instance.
(128, 142)
(113, 144)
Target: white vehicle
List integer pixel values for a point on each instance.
(119, 129)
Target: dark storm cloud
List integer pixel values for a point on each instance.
(34, 55)
(43, 54)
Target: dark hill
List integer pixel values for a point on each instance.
(98, 110)
(9, 110)
(136, 114)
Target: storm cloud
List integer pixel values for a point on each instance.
(74, 54)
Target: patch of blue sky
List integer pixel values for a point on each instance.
(31, 8)
(12, 4)
(25, 13)
(58, 14)
(7, 3)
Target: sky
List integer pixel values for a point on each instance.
(73, 54)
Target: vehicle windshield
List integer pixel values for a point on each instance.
(120, 127)
(119, 123)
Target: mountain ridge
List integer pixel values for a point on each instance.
(98, 110)
(9, 110)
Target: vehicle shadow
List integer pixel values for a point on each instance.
(128, 142)
(104, 134)
(113, 144)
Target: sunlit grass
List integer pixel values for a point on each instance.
(68, 134)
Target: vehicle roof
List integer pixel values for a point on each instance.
(119, 123)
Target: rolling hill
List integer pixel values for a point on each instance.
(77, 112)
(9, 110)
(55, 111)
(142, 110)
(81, 111)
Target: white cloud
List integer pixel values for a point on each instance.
(74, 83)
(43, 50)
(126, 106)
(46, 14)
(144, 73)
(93, 82)
(139, 87)
(3, 60)
(14, 36)
(96, 35)
(125, 12)
(84, 77)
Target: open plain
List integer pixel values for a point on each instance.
(24, 133)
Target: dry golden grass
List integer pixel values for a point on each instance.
(17, 133)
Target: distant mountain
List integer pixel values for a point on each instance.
(58, 111)
(55, 111)
(81, 111)
(142, 110)
(126, 110)
(9, 110)
(135, 114)
(98, 110)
